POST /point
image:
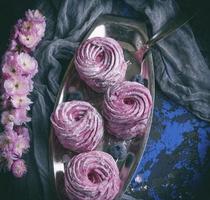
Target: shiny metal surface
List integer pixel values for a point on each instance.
(170, 27)
(130, 34)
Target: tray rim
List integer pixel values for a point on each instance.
(132, 23)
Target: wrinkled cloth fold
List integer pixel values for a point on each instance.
(180, 69)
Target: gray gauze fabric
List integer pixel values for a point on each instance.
(179, 67)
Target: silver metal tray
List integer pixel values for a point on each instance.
(130, 34)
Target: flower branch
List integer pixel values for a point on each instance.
(18, 69)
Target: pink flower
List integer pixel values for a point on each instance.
(27, 27)
(15, 46)
(7, 119)
(7, 141)
(21, 102)
(28, 32)
(31, 26)
(11, 137)
(9, 70)
(29, 40)
(21, 145)
(31, 30)
(40, 29)
(20, 116)
(17, 85)
(17, 64)
(21, 130)
(10, 67)
(35, 15)
(13, 145)
(19, 168)
(27, 64)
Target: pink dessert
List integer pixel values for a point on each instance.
(100, 63)
(126, 108)
(78, 126)
(92, 176)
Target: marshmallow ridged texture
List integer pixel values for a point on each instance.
(92, 176)
(100, 63)
(77, 125)
(126, 108)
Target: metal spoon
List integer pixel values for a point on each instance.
(165, 31)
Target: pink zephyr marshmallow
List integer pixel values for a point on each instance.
(78, 126)
(92, 176)
(100, 63)
(126, 108)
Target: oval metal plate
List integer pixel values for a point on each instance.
(130, 34)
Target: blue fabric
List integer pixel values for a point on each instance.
(176, 161)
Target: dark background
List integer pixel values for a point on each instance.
(11, 10)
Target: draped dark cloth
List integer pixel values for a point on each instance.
(181, 72)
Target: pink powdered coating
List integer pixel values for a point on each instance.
(126, 108)
(78, 125)
(100, 63)
(92, 176)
